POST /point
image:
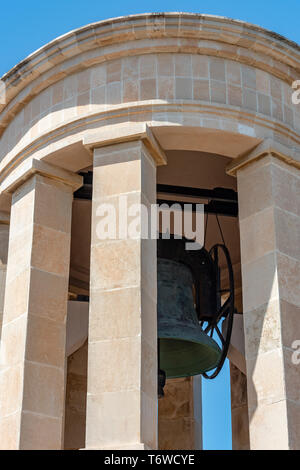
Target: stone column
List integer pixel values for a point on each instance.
(5, 202)
(180, 415)
(269, 208)
(238, 379)
(76, 381)
(75, 407)
(239, 409)
(32, 382)
(122, 356)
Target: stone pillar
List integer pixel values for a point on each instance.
(32, 382)
(238, 379)
(76, 381)
(122, 350)
(5, 202)
(75, 408)
(180, 415)
(239, 409)
(269, 207)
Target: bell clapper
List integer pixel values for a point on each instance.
(161, 376)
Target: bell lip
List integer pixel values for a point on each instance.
(191, 337)
(181, 376)
(178, 376)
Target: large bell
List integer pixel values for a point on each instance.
(185, 350)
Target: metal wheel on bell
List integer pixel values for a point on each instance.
(225, 310)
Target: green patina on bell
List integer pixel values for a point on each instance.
(185, 350)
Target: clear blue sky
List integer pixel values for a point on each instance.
(216, 411)
(28, 25)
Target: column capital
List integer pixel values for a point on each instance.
(120, 133)
(268, 147)
(38, 167)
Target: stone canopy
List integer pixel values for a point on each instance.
(169, 98)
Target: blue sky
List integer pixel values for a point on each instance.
(28, 25)
(216, 411)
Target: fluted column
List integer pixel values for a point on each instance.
(32, 382)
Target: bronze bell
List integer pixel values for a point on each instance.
(184, 349)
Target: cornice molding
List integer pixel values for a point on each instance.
(33, 167)
(129, 132)
(124, 113)
(120, 37)
(268, 148)
(156, 25)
